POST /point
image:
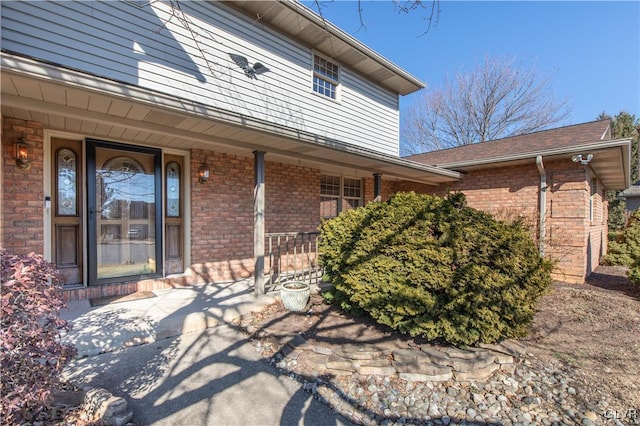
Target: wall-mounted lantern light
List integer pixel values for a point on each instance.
(203, 174)
(22, 155)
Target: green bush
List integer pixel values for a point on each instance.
(432, 267)
(624, 250)
(634, 272)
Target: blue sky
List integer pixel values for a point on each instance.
(590, 50)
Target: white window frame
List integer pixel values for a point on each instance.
(325, 78)
(344, 194)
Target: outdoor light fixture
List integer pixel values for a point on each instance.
(203, 174)
(584, 160)
(22, 155)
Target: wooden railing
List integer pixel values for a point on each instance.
(291, 256)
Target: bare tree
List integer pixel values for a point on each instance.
(498, 98)
(429, 11)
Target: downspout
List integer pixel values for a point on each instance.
(543, 204)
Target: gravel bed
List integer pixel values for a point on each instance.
(536, 393)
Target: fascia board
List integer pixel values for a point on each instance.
(623, 143)
(575, 149)
(346, 38)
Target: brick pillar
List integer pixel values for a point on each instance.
(22, 194)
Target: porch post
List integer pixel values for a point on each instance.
(258, 222)
(377, 187)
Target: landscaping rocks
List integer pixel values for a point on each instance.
(429, 385)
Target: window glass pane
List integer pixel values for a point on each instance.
(328, 207)
(324, 87)
(173, 189)
(350, 203)
(351, 188)
(325, 78)
(67, 183)
(330, 185)
(125, 198)
(325, 68)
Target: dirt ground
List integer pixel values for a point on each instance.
(592, 329)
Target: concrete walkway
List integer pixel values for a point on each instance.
(188, 365)
(171, 313)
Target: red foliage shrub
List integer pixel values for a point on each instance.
(31, 355)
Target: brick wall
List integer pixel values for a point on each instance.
(222, 211)
(22, 197)
(388, 188)
(573, 241)
(222, 208)
(597, 228)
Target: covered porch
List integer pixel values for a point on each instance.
(228, 160)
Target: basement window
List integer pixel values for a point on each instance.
(326, 77)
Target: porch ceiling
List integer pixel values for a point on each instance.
(73, 102)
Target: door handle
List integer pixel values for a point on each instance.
(92, 212)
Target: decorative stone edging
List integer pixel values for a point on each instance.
(107, 409)
(97, 405)
(532, 391)
(423, 364)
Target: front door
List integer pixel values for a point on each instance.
(124, 212)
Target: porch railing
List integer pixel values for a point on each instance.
(291, 256)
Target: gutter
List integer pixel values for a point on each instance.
(542, 231)
(18, 65)
(547, 152)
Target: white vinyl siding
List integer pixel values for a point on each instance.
(149, 47)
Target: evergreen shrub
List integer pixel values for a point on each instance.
(624, 250)
(31, 355)
(432, 267)
(634, 272)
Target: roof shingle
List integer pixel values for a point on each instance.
(532, 142)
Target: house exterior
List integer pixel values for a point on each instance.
(144, 147)
(555, 179)
(148, 145)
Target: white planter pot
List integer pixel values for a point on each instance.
(295, 295)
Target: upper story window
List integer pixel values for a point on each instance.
(326, 77)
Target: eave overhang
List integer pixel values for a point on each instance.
(70, 101)
(303, 24)
(610, 162)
